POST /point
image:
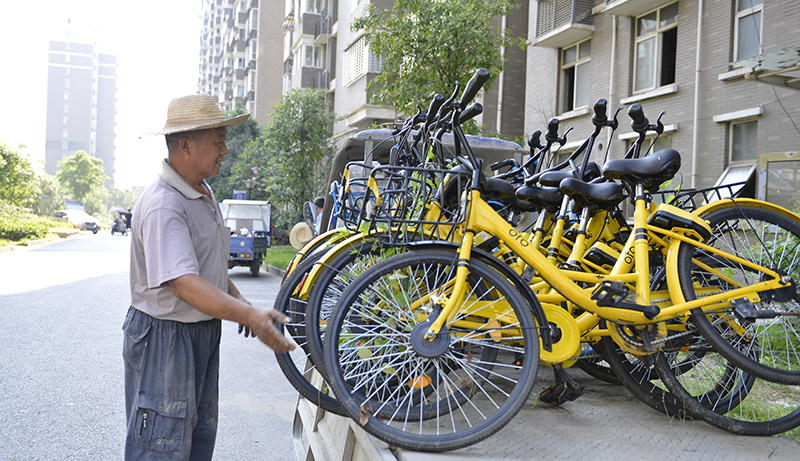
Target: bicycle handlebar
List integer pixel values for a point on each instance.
(474, 85)
(473, 110)
(436, 103)
(639, 122)
(600, 118)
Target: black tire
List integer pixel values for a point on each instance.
(255, 266)
(296, 365)
(771, 348)
(328, 287)
(766, 403)
(756, 408)
(418, 395)
(593, 363)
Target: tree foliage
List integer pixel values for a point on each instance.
(80, 173)
(426, 47)
(290, 161)
(51, 198)
(18, 185)
(223, 184)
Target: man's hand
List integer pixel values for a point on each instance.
(262, 325)
(247, 332)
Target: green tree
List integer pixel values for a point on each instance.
(79, 174)
(291, 160)
(223, 184)
(121, 198)
(426, 47)
(51, 199)
(18, 184)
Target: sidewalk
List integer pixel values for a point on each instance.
(605, 423)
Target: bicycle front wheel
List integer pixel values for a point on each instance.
(439, 395)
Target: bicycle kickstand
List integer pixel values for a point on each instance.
(565, 388)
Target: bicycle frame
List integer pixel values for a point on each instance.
(481, 217)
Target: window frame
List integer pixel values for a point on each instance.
(739, 15)
(315, 6)
(658, 34)
(574, 64)
(731, 126)
(316, 56)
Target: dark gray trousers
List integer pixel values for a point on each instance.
(171, 387)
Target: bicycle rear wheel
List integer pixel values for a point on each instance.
(765, 347)
(296, 365)
(436, 395)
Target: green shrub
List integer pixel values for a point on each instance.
(17, 224)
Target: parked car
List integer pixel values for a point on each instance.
(80, 219)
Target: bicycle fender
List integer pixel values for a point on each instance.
(713, 206)
(349, 242)
(516, 279)
(328, 237)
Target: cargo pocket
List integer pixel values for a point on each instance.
(160, 424)
(134, 344)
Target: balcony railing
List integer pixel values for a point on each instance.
(563, 22)
(322, 30)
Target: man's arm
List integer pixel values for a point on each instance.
(208, 299)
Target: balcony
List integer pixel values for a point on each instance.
(322, 30)
(630, 7)
(321, 80)
(563, 22)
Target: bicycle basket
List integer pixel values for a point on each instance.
(405, 204)
(691, 199)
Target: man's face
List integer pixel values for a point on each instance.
(210, 150)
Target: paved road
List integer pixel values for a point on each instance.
(61, 386)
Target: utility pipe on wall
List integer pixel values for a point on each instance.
(611, 101)
(697, 75)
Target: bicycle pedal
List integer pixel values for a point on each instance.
(565, 389)
(610, 293)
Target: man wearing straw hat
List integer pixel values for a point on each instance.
(180, 291)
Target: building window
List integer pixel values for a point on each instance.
(656, 47)
(287, 83)
(747, 29)
(743, 141)
(575, 75)
(240, 63)
(316, 6)
(239, 91)
(313, 56)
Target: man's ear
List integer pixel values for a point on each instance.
(184, 144)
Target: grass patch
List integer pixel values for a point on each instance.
(280, 256)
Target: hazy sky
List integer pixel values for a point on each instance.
(157, 46)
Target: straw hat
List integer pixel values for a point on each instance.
(196, 112)
(300, 234)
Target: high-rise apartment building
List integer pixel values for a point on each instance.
(321, 51)
(81, 104)
(240, 55)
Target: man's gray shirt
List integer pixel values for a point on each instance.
(176, 231)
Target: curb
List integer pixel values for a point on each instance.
(277, 271)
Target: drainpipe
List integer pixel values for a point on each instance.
(611, 102)
(697, 74)
(500, 80)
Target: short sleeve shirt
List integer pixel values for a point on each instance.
(175, 231)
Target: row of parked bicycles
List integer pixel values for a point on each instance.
(427, 317)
